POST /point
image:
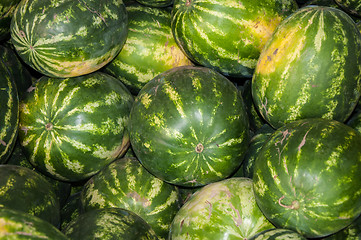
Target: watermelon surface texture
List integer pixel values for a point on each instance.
(150, 48)
(310, 68)
(67, 38)
(278, 234)
(17, 225)
(109, 224)
(227, 36)
(307, 177)
(71, 128)
(7, 8)
(189, 126)
(222, 210)
(125, 183)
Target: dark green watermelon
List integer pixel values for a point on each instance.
(189, 126)
(7, 8)
(307, 177)
(27, 191)
(109, 224)
(278, 234)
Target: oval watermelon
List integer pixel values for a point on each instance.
(189, 126)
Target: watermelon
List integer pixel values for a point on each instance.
(9, 111)
(307, 177)
(277, 234)
(355, 121)
(150, 48)
(351, 232)
(109, 224)
(22, 77)
(68, 38)
(189, 126)
(71, 128)
(25, 190)
(227, 36)
(156, 3)
(125, 183)
(310, 68)
(7, 9)
(222, 210)
(351, 6)
(17, 225)
(71, 210)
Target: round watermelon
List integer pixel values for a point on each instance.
(150, 48)
(189, 126)
(227, 36)
(7, 9)
(17, 225)
(68, 38)
(71, 128)
(307, 177)
(109, 224)
(309, 68)
(222, 210)
(278, 234)
(125, 183)
(156, 3)
(27, 191)
(351, 6)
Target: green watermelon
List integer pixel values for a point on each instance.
(25, 190)
(227, 36)
(7, 8)
(17, 225)
(307, 177)
(355, 121)
(109, 224)
(189, 126)
(278, 234)
(125, 183)
(351, 6)
(71, 210)
(156, 3)
(70, 128)
(9, 110)
(351, 232)
(67, 38)
(310, 68)
(222, 210)
(150, 48)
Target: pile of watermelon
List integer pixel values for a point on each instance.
(180, 119)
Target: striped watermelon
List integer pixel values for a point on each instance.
(307, 177)
(222, 210)
(71, 128)
(310, 68)
(17, 225)
(71, 210)
(277, 234)
(351, 232)
(156, 3)
(227, 36)
(7, 9)
(9, 111)
(150, 48)
(125, 183)
(189, 127)
(351, 6)
(67, 38)
(27, 191)
(109, 224)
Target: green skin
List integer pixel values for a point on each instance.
(189, 126)
(71, 128)
(27, 191)
(17, 225)
(317, 76)
(307, 177)
(109, 224)
(227, 36)
(277, 234)
(125, 183)
(223, 210)
(7, 8)
(355, 121)
(71, 210)
(150, 48)
(9, 108)
(351, 6)
(352, 232)
(69, 38)
(156, 3)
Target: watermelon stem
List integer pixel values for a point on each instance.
(49, 126)
(199, 148)
(295, 204)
